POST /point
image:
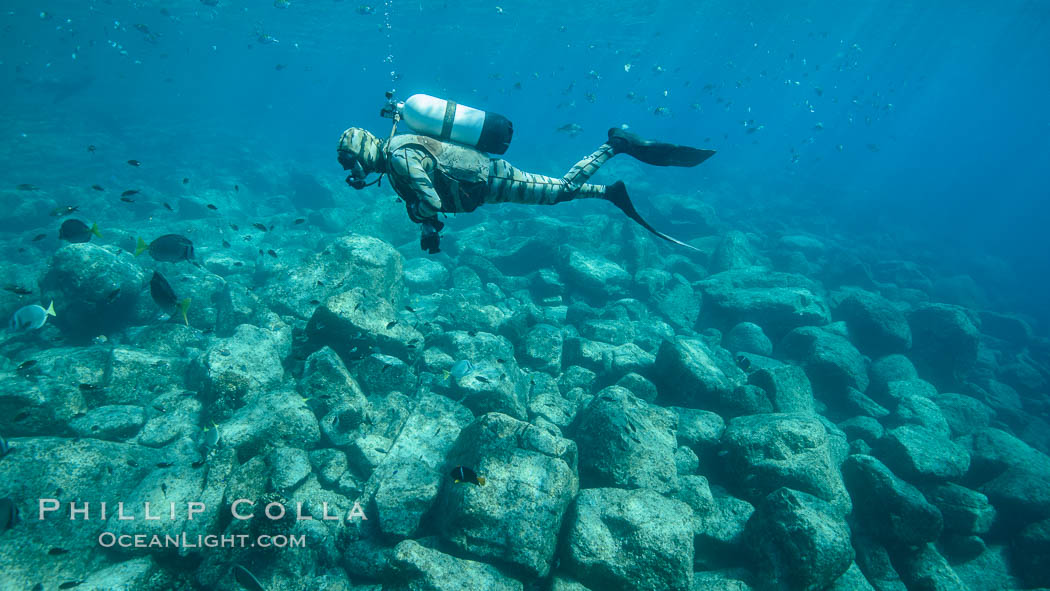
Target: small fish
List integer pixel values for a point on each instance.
(743, 362)
(134, 163)
(27, 187)
(271, 253)
(246, 579)
(464, 474)
(39, 237)
(4, 447)
(129, 192)
(225, 244)
(279, 67)
(97, 187)
(161, 292)
(259, 226)
(315, 302)
(391, 324)
(89, 387)
(64, 210)
(482, 379)
(77, 232)
(165, 464)
(26, 365)
(70, 584)
(211, 207)
(461, 368)
(167, 207)
(185, 180)
(197, 464)
(30, 317)
(235, 227)
(571, 129)
(8, 514)
(299, 221)
(17, 289)
(169, 248)
(410, 309)
(113, 295)
(211, 436)
(92, 148)
(236, 188)
(127, 199)
(57, 552)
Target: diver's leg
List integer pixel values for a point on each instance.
(583, 169)
(508, 184)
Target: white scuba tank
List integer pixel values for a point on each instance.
(448, 121)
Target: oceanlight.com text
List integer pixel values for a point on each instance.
(110, 539)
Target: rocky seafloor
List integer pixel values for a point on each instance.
(778, 411)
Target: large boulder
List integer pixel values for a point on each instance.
(95, 291)
(592, 274)
(832, 363)
(875, 324)
(232, 369)
(626, 442)
(690, 373)
(414, 567)
(787, 387)
(624, 540)
(768, 451)
(778, 302)
(530, 481)
(924, 568)
(732, 252)
(748, 337)
(887, 508)
(799, 541)
(918, 453)
(357, 322)
(944, 342)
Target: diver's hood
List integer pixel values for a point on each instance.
(360, 146)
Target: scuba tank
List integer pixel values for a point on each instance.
(452, 122)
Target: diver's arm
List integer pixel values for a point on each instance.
(409, 164)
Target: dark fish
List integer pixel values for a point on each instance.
(8, 514)
(113, 295)
(97, 187)
(271, 253)
(298, 221)
(165, 464)
(27, 187)
(64, 210)
(465, 474)
(92, 148)
(244, 576)
(225, 244)
(234, 227)
(129, 192)
(57, 552)
(26, 365)
(185, 180)
(70, 584)
(391, 324)
(39, 237)
(134, 163)
(314, 302)
(169, 248)
(410, 309)
(167, 207)
(197, 464)
(133, 463)
(279, 67)
(17, 289)
(211, 207)
(4, 447)
(161, 292)
(743, 362)
(482, 379)
(237, 188)
(77, 232)
(259, 226)
(127, 199)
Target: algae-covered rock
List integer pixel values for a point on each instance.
(945, 342)
(629, 540)
(626, 442)
(832, 363)
(414, 567)
(689, 373)
(875, 324)
(888, 508)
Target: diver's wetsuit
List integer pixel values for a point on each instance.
(434, 176)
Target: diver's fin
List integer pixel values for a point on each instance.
(656, 153)
(617, 194)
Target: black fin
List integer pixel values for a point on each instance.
(616, 193)
(656, 153)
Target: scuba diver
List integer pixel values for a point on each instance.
(445, 168)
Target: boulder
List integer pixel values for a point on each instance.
(414, 567)
(354, 323)
(799, 541)
(766, 452)
(778, 302)
(924, 568)
(592, 274)
(530, 480)
(964, 511)
(918, 453)
(892, 511)
(964, 414)
(425, 275)
(689, 373)
(831, 362)
(747, 337)
(115, 422)
(944, 342)
(732, 252)
(629, 540)
(94, 290)
(542, 349)
(1032, 554)
(786, 386)
(232, 369)
(876, 325)
(626, 442)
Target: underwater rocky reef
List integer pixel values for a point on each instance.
(550, 403)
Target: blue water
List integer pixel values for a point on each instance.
(934, 126)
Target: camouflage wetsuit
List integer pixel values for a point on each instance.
(434, 176)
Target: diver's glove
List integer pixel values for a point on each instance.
(430, 238)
